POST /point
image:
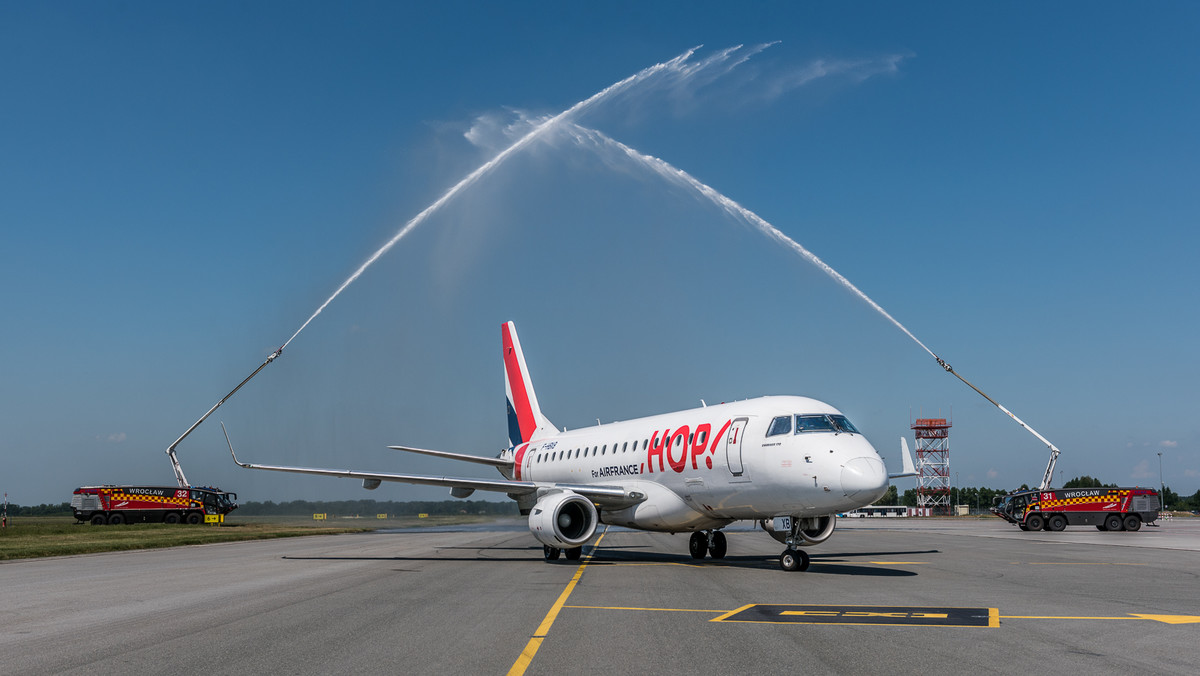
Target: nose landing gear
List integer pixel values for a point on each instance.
(708, 542)
(792, 560)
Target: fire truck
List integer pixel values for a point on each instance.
(116, 505)
(1108, 509)
(184, 503)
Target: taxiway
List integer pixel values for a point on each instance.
(473, 601)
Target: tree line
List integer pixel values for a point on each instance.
(979, 499)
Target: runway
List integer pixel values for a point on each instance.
(436, 602)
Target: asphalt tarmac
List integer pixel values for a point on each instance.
(882, 596)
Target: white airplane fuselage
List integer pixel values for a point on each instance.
(706, 467)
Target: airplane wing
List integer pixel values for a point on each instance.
(466, 457)
(608, 496)
(906, 459)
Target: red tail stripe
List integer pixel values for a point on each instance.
(516, 383)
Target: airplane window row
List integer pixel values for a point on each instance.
(616, 448)
(811, 423)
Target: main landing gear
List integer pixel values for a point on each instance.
(708, 542)
(552, 553)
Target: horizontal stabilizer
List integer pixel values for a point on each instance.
(465, 457)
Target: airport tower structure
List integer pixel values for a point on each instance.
(933, 465)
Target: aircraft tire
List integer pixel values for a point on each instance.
(99, 520)
(719, 545)
(1056, 523)
(551, 553)
(698, 545)
(793, 560)
(574, 553)
(1035, 522)
(1114, 522)
(1132, 522)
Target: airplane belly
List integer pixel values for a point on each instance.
(663, 510)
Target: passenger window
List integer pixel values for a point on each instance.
(780, 425)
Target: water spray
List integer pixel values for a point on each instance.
(681, 177)
(678, 66)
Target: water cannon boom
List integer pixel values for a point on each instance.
(179, 477)
(1046, 479)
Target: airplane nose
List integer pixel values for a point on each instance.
(864, 479)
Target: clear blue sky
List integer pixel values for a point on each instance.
(184, 183)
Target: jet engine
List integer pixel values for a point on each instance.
(564, 519)
(813, 530)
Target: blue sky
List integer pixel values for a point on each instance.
(184, 184)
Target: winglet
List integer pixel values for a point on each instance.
(906, 460)
(230, 443)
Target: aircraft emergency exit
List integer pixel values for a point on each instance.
(790, 463)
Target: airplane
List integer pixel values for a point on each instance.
(789, 463)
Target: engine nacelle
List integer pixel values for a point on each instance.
(564, 519)
(813, 530)
(817, 529)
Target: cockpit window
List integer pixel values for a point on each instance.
(824, 423)
(780, 425)
(844, 425)
(814, 423)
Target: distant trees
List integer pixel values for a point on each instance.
(1086, 481)
(60, 509)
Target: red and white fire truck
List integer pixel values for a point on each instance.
(1104, 508)
(114, 505)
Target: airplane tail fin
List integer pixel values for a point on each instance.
(525, 419)
(906, 460)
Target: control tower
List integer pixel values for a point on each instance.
(933, 464)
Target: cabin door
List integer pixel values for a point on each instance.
(733, 449)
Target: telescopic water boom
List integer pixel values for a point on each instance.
(1053, 449)
(179, 477)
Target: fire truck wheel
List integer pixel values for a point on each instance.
(98, 520)
(194, 518)
(1056, 522)
(1035, 522)
(116, 519)
(171, 517)
(1132, 522)
(1101, 526)
(1113, 522)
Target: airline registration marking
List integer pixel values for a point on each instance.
(875, 615)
